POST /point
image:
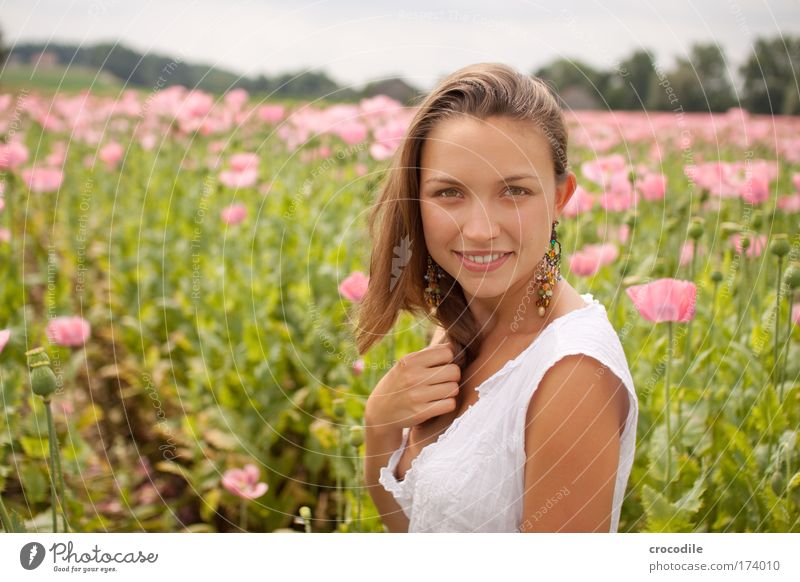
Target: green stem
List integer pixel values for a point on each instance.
(778, 314)
(60, 476)
(666, 405)
(688, 348)
(786, 347)
(5, 519)
(339, 510)
(358, 490)
(243, 514)
(50, 430)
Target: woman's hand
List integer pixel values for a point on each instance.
(420, 386)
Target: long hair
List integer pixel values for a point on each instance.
(399, 256)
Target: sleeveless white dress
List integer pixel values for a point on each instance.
(472, 478)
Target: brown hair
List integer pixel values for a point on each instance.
(399, 256)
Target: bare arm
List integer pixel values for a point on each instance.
(572, 440)
(380, 444)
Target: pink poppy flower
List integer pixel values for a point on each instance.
(624, 233)
(789, 204)
(686, 253)
(796, 313)
(354, 287)
(271, 113)
(111, 154)
(601, 169)
(796, 181)
(652, 186)
(5, 235)
(43, 179)
(68, 331)
(244, 162)
(5, 334)
(244, 483)
(236, 180)
(606, 253)
(234, 214)
(584, 264)
(358, 366)
(618, 201)
(665, 300)
(580, 202)
(12, 155)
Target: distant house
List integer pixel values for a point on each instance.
(44, 59)
(395, 88)
(576, 97)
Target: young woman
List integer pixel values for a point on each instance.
(521, 414)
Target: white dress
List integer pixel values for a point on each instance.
(472, 478)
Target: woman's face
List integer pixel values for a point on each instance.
(488, 198)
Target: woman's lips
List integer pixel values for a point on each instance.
(482, 267)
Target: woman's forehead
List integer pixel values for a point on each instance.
(499, 147)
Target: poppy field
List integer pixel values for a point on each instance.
(181, 272)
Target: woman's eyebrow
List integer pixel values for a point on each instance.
(448, 180)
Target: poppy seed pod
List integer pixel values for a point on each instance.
(696, 228)
(43, 380)
(792, 276)
(779, 245)
(356, 436)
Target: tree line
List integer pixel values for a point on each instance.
(704, 80)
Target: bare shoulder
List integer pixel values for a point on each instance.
(580, 388)
(573, 426)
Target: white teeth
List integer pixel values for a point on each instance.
(486, 259)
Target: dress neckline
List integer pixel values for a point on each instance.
(482, 388)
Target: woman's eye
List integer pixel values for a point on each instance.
(517, 191)
(442, 193)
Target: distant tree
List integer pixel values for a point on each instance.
(700, 83)
(3, 52)
(574, 77)
(630, 84)
(770, 76)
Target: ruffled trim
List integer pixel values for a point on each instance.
(386, 474)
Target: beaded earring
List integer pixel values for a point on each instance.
(548, 272)
(433, 293)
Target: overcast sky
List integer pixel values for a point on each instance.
(357, 42)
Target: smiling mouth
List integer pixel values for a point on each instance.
(482, 262)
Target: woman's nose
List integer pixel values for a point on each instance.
(479, 222)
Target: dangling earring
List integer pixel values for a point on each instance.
(548, 272)
(433, 293)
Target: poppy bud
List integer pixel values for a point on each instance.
(356, 436)
(779, 245)
(43, 380)
(696, 228)
(339, 409)
(792, 276)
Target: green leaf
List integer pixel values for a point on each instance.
(35, 447)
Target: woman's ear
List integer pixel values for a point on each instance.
(564, 191)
